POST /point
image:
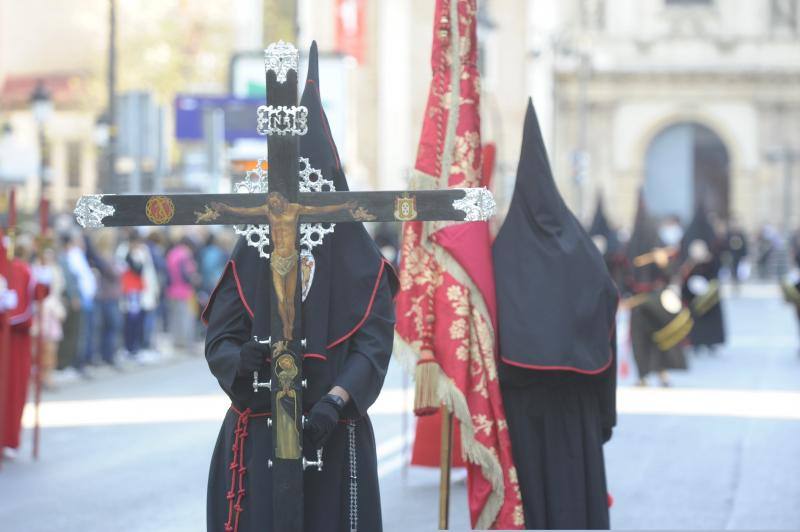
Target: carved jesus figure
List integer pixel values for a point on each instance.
(283, 217)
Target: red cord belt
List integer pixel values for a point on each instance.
(238, 468)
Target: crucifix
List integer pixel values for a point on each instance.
(284, 208)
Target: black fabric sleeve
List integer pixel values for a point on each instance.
(370, 350)
(229, 327)
(608, 394)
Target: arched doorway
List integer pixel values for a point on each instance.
(687, 164)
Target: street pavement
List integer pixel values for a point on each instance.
(719, 449)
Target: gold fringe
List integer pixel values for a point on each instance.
(447, 392)
(472, 451)
(426, 399)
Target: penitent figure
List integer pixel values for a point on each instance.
(348, 323)
(283, 217)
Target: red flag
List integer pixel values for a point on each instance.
(446, 308)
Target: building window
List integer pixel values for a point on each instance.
(783, 16)
(691, 3)
(74, 160)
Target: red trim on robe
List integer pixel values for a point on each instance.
(305, 356)
(239, 288)
(232, 264)
(570, 368)
(367, 312)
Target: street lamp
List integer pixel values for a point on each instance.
(42, 110)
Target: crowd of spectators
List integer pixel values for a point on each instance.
(121, 297)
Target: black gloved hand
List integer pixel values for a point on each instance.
(252, 356)
(322, 419)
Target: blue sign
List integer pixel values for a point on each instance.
(240, 116)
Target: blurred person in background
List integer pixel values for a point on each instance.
(658, 322)
(765, 249)
(156, 245)
(607, 240)
(700, 256)
(670, 231)
(16, 303)
(735, 251)
(132, 288)
(109, 320)
(211, 260)
(46, 271)
(791, 284)
(151, 293)
(70, 345)
(182, 278)
(88, 281)
(144, 293)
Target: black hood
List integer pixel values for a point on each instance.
(644, 237)
(556, 301)
(349, 265)
(700, 228)
(601, 227)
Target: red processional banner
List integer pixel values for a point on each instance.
(446, 308)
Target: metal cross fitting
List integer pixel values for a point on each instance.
(317, 463)
(267, 340)
(258, 385)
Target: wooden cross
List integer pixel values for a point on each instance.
(283, 208)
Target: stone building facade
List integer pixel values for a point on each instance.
(692, 100)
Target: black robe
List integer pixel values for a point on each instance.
(348, 322)
(556, 311)
(358, 365)
(649, 358)
(709, 327)
(558, 422)
(647, 282)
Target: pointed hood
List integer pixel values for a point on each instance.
(644, 237)
(535, 192)
(700, 228)
(556, 300)
(347, 266)
(601, 227)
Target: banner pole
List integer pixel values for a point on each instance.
(444, 468)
